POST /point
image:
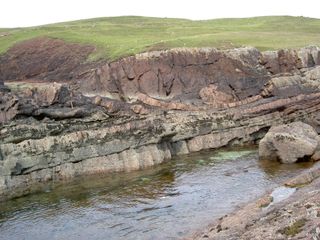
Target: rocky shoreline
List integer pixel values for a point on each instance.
(296, 216)
(142, 110)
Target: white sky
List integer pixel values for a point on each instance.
(19, 13)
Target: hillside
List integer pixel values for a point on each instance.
(116, 37)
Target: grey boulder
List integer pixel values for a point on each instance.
(290, 143)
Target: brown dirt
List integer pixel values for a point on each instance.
(44, 59)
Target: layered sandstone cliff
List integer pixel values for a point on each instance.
(142, 110)
(172, 74)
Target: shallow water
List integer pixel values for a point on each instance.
(165, 202)
(281, 193)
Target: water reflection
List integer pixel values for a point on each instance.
(274, 168)
(163, 202)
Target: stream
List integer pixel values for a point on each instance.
(167, 201)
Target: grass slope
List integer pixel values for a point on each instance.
(116, 37)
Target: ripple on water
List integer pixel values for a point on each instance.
(163, 202)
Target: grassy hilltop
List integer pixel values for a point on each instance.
(116, 37)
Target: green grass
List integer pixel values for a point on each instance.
(294, 228)
(116, 37)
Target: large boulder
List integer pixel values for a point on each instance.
(290, 143)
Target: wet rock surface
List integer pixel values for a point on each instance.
(294, 217)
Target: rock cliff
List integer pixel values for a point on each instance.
(142, 110)
(182, 73)
(172, 74)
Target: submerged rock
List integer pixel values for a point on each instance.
(289, 143)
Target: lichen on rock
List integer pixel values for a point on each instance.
(289, 143)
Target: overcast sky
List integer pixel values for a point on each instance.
(19, 13)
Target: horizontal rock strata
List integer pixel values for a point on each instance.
(63, 149)
(172, 102)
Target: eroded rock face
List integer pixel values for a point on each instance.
(47, 100)
(178, 72)
(164, 104)
(288, 60)
(8, 107)
(184, 74)
(289, 143)
(125, 137)
(215, 97)
(309, 56)
(293, 85)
